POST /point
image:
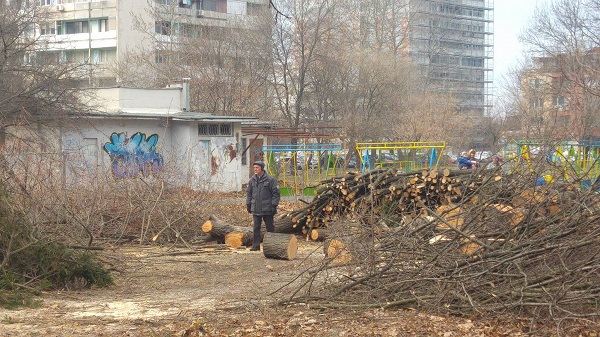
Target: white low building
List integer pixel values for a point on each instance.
(150, 132)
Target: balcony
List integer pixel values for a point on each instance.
(80, 41)
(211, 15)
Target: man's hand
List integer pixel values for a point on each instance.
(274, 209)
(249, 208)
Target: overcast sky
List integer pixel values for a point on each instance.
(510, 17)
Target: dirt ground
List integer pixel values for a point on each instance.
(214, 292)
(219, 291)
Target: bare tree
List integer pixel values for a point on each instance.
(32, 87)
(296, 44)
(563, 39)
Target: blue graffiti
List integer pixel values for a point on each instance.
(130, 157)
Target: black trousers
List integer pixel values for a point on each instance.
(257, 222)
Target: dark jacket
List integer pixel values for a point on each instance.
(464, 162)
(263, 194)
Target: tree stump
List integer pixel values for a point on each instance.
(280, 246)
(337, 249)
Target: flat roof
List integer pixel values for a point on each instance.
(182, 116)
(288, 132)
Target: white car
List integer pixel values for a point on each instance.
(483, 155)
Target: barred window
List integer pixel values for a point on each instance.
(225, 129)
(215, 129)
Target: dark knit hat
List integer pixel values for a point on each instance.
(259, 163)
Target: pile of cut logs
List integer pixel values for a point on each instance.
(382, 190)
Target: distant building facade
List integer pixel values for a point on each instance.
(101, 33)
(560, 101)
(453, 43)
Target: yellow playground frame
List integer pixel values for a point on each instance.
(579, 159)
(407, 156)
(307, 165)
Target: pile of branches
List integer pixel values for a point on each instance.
(501, 244)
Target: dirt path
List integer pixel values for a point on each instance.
(155, 291)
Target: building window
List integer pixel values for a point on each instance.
(558, 101)
(564, 121)
(208, 129)
(253, 9)
(161, 57)
(162, 27)
(536, 102)
(47, 58)
(244, 151)
(46, 2)
(214, 5)
(103, 25)
(103, 55)
(76, 27)
(48, 28)
(536, 83)
(185, 3)
(225, 129)
(29, 58)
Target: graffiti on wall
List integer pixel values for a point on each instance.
(134, 155)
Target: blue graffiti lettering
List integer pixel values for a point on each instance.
(130, 157)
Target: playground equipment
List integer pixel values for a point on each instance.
(407, 156)
(579, 159)
(301, 166)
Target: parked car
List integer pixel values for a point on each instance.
(301, 162)
(388, 157)
(483, 156)
(352, 163)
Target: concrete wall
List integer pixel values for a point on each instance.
(166, 100)
(151, 147)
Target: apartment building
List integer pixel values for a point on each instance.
(452, 41)
(560, 97)
(101, 33)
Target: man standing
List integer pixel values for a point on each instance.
(262, 199)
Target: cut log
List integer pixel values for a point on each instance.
(320, 234)
(528, 197)
(236, 239)
(469, 247)
(337, 249)
(285, 224)
(219, 229)
(280, 246)
(507, 214)
(452, 214)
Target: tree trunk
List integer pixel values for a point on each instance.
(280, 246)
(236, 239)
(320, 234)
(285, 224)
(220, 229)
